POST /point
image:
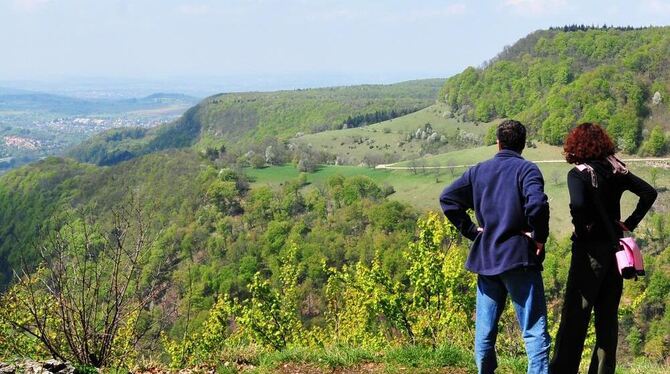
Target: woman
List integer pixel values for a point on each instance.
(595, 185)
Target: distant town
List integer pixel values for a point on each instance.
(25, 139)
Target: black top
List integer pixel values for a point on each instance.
(585, 216)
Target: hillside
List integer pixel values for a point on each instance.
(428, 131)
(244, 118)
(40, 197)
(539, 152)
(552, 79)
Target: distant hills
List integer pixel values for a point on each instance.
(21, 100)
(552, 79)
(245, 118)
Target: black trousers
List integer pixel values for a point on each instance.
(594, 284)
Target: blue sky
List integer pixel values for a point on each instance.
(363, 40)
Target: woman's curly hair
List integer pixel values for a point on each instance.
(587, 142)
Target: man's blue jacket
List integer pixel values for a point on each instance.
(507, 195)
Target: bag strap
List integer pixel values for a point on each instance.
(599, 204)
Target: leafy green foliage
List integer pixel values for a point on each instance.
(34, 199)
(83, 302)
(553, 79)
(656, 144)
(271, 316)
(442, 290)
(15, 342)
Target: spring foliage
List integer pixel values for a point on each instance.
(432, 305)
(553, 79)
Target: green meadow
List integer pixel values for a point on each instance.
(420, 187)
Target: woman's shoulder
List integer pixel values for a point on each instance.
(576, 173)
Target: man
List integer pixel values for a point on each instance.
(507, 195)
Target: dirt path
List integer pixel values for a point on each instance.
(391, 167)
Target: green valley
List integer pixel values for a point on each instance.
(300, 231)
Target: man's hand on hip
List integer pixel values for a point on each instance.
(539, 247)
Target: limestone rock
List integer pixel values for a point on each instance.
(35, 367)
(656, 99)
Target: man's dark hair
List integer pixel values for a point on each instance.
(511, 135)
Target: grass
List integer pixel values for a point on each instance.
(422, 189)
(388, 138)
(338, 359)
(399, 359)
(471, 156)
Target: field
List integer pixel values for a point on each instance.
(389, 139)
(421, 186)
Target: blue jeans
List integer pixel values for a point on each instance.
(526, 289)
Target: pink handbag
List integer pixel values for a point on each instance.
(629, 259)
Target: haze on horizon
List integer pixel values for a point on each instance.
(282, 43)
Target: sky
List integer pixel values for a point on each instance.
(289, 42)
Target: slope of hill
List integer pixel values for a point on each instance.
(242, 118)
(428, 131)
(36, 198)
(553, 79)
(539, 152)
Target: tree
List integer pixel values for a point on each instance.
(656, 144)
(271, 315)
(412, 165)
(653, 176)
(85, 299)
(491, 136)
(225, 196)
(257, 161)
(306, 165)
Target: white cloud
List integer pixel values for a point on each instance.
(535, 7)
(30, 5)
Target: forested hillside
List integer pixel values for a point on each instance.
(246, 118)
(42, 197)
(552, 79)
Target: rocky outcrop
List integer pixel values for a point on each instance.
(36, 367)
(657, 98)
